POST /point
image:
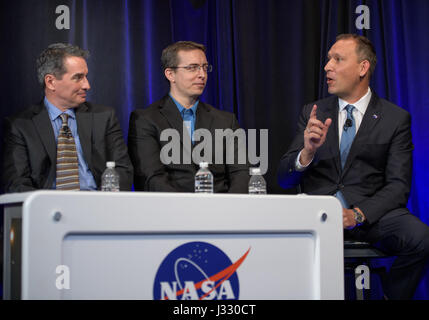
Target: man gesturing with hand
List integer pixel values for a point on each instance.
(314, 136)
(357, 147)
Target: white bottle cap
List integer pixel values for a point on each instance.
(110, 164)
(204, 164)
(254, 171)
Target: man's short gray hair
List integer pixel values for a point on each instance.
(51, 60)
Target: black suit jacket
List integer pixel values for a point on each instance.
(145, 145)
(30, 150)
(377, 173)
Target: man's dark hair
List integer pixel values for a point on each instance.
(364, 49)
(169, 58)
(51, 60)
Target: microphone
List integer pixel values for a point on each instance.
(348, 124)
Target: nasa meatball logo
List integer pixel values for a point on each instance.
(197, 271)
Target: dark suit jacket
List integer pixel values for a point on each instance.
(377, 173)
(144, 144)
(30, 150)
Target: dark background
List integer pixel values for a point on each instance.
(268, 58)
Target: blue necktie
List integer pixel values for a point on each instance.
(349, 132)
(188, 116)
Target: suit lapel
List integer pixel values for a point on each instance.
(369, 120)
(169, 110)
(84, 122)
(203, 119)
(332, 136)
(44, 128)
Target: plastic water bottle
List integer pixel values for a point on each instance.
(204, 179)
(110, 178)
(257, 183)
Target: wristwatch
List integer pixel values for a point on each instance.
(358, 216)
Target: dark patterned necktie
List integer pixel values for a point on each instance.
(67, 163)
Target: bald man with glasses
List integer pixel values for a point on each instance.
(186, 68)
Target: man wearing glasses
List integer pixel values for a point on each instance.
(185, 67)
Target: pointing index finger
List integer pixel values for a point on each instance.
(313, 112)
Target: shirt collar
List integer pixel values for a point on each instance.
(182, 108)
(361, 105)
(54, 112)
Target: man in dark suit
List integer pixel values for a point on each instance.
(357, 147)
(30, 141)
(185, 67)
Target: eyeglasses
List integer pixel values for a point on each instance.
(196, 67)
